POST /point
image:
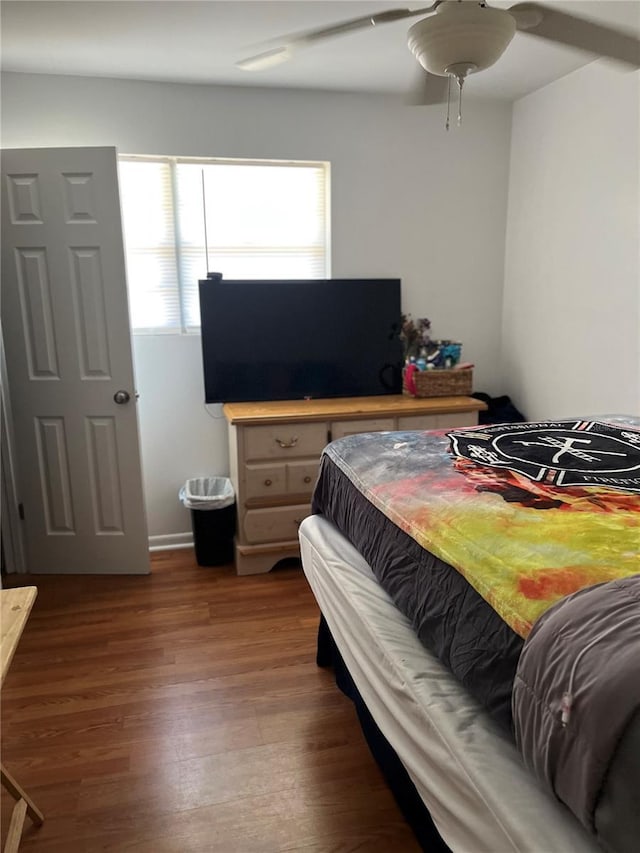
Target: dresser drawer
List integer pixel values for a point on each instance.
(418, 422)
(339, 429)
(457, 419)
(277, 479)
(275, 524)
(265, 480)
(284, 440)
(301, 477)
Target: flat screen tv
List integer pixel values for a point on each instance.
(292, 339)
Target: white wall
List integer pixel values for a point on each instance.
(180, 437)
(571, 339)
(408, 200)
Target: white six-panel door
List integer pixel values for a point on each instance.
(68, 350)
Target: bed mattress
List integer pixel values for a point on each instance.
(464, 766)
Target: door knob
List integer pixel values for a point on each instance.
(121, 397)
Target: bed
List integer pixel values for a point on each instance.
(437, 693)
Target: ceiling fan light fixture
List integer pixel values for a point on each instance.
(461, 32)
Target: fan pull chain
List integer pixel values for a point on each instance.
(460, 80)
(457, 71)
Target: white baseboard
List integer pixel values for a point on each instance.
(171, 541)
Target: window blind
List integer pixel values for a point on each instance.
(146, 197)
(262, 219)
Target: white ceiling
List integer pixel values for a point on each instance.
(199, 42)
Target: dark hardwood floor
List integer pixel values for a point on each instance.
(183, 711)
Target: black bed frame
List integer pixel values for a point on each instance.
(409, 802)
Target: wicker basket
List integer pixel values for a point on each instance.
(441, 383)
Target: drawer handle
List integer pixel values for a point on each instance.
(267, 482)
(292, 443)
(307, 479)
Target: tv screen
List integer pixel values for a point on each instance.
(290, 340)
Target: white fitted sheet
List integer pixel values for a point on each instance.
(466, 770)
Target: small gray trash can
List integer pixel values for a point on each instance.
(213, 518)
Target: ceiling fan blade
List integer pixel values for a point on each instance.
(539, 20)
(428, 89)
(266, 59)
(282, 48)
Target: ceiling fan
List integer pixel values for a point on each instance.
(455, 38)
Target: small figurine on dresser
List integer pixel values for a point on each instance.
(432, 368)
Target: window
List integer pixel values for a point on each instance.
(262, 219)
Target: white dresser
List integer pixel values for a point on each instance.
(275, 449)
